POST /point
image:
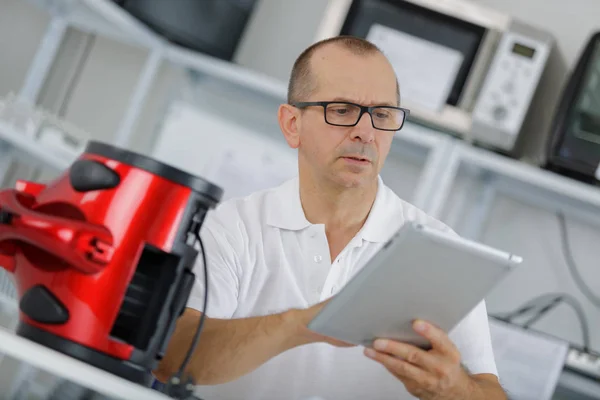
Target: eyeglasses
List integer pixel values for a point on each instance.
(341, 113)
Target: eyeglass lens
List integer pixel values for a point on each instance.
(348, 114)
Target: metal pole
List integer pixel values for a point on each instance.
(42, 62)
(434, 169)
(140, 92)
(475, 215)
(447, 175)
(5, 162)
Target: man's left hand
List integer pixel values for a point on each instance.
(435, 374)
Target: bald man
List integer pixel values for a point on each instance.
(275, 256)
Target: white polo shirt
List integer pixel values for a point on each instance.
(265, 257)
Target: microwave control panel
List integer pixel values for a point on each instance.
(509, 87)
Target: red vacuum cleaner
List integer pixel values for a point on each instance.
(102, 257)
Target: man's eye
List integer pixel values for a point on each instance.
(340, 110)
(382, 115)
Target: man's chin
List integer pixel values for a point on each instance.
(353, 180)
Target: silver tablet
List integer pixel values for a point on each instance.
(419, 273)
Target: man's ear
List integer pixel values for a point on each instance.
(289, 124)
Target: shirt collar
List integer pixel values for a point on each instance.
(378, 227)
(285, 211)
(284, 207)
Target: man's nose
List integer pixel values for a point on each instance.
(364, 129)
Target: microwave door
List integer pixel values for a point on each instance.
(587, 118)
(578, 149)
(589, 112)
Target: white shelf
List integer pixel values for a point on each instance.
(532, 183)
(37, 151)
(531, 175)
(227, 71)
(102, 17)
(73, 370)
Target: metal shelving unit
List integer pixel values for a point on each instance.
(529, 184)
(105, 18)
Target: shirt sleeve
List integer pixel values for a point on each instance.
(472, 338)
(223, 267)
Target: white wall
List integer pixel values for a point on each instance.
(535, 235)
(270, 43)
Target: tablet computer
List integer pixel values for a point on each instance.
(420, 273)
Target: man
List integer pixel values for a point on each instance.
(275, 256)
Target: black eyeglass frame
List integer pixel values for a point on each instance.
(363, 109)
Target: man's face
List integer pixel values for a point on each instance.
(346, 156)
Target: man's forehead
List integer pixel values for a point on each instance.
(333, 55)
(365, 78)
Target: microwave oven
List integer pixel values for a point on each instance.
(463, 68)
(574, 148)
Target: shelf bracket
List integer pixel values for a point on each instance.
(437, 178)
(43, 60)
(475, 217)
(136, 103)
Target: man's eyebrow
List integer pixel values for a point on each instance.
(385, 103)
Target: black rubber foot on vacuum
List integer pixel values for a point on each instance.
(123, 369)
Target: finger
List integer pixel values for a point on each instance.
(438, 338)
(408, 353)
(400, 368)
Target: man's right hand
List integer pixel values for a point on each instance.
(305, 335)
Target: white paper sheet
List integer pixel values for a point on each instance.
(529, 363)
(241, 173)
(233, 156)
(426, 71)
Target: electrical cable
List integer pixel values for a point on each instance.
(90, 41)
(554, 300)
(579, 281)
(530, 305)
(196, 338)
(542, 312)
(572, 301)
(177, 386)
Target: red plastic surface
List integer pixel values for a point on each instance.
(85, 246)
